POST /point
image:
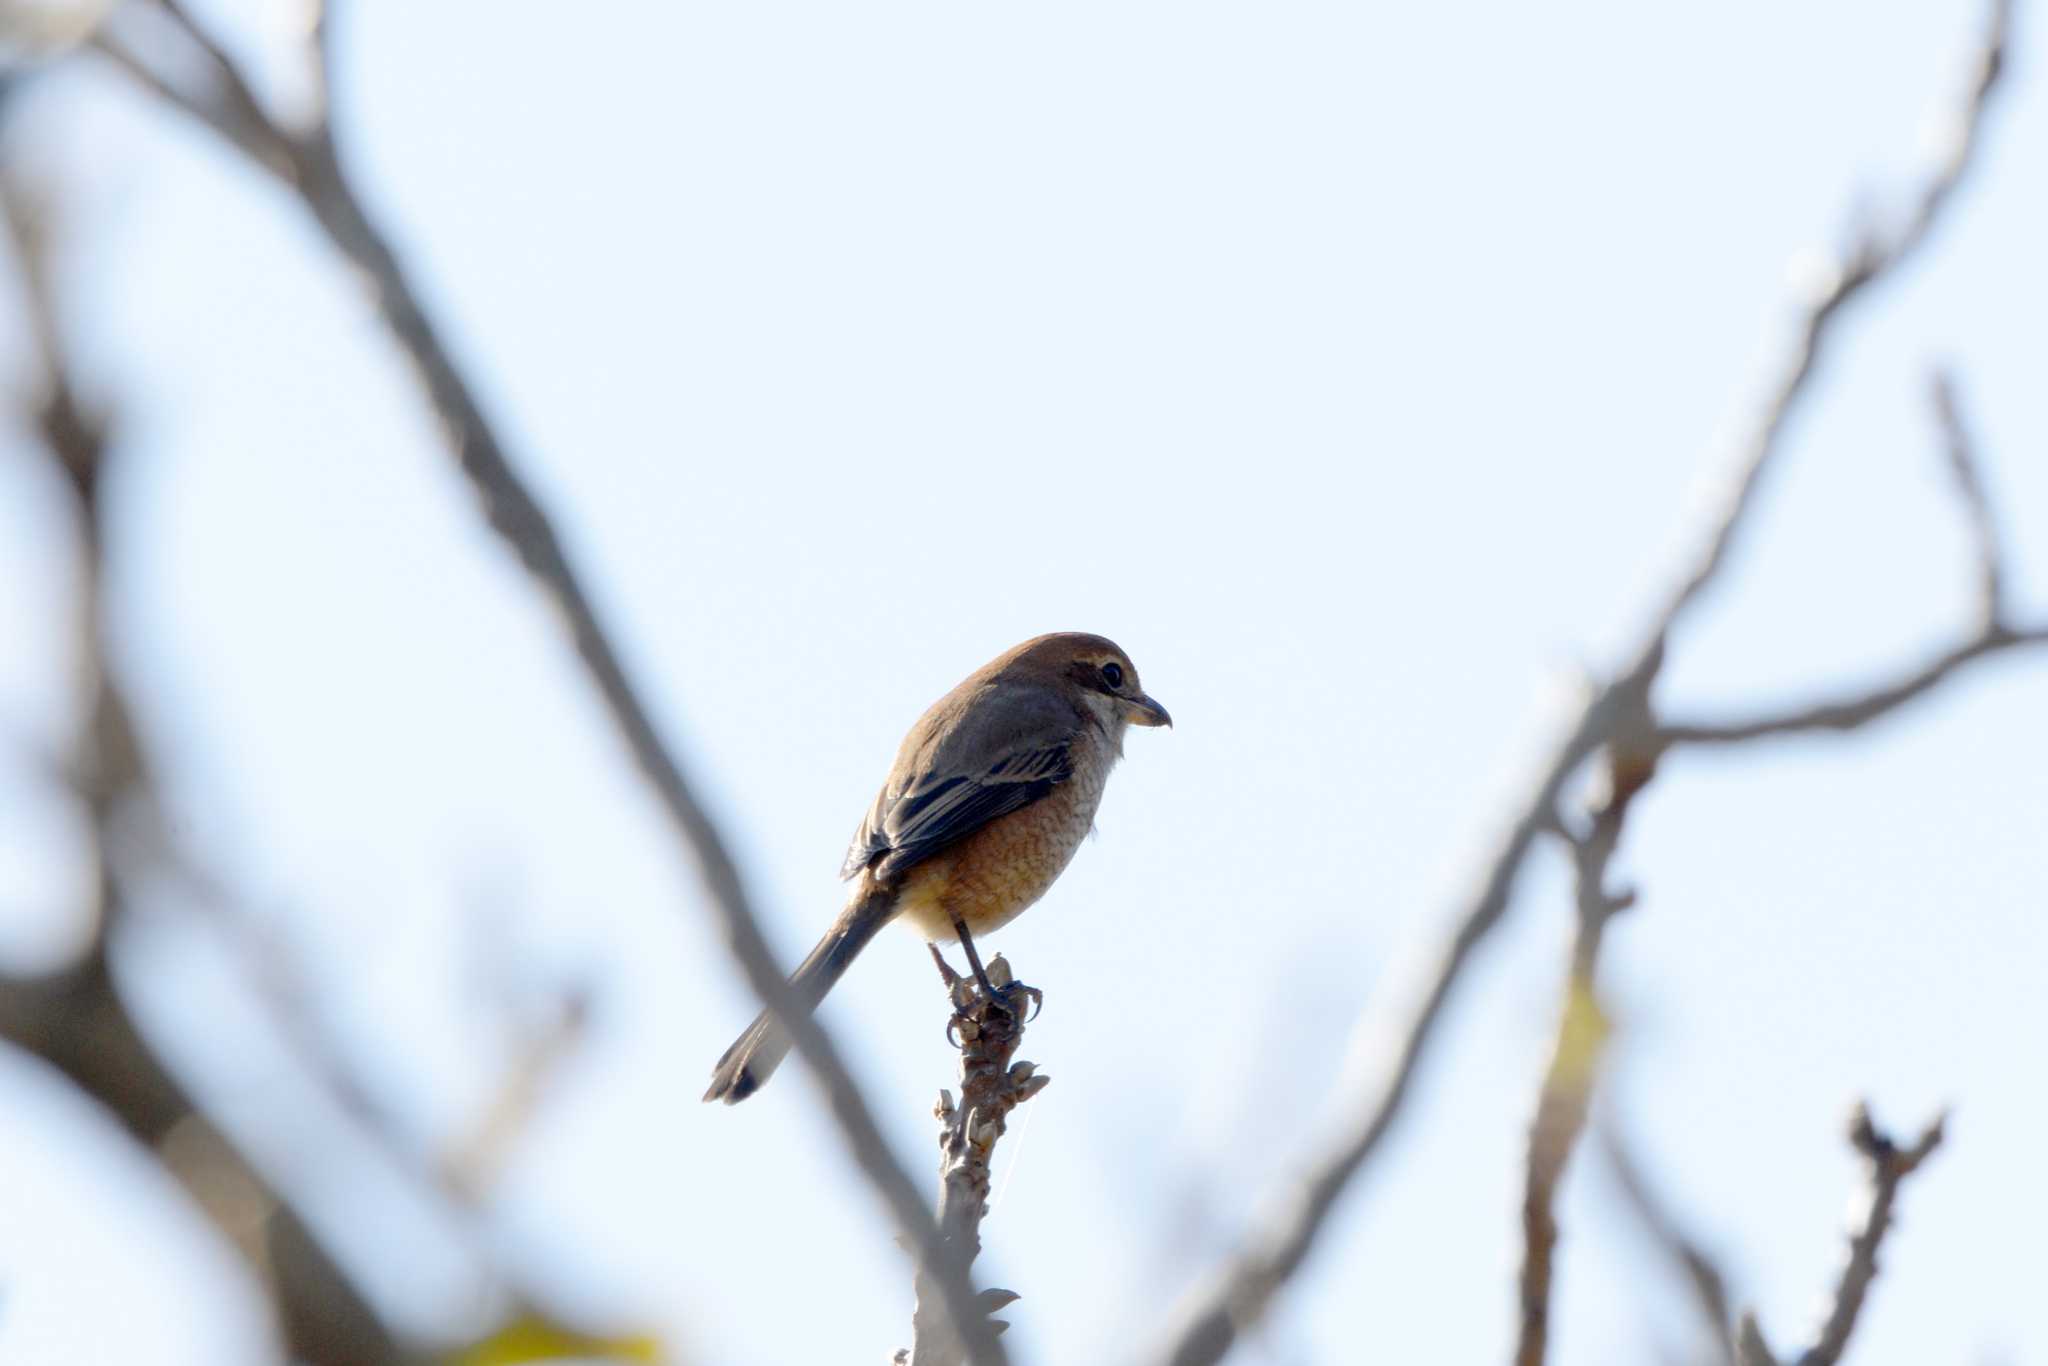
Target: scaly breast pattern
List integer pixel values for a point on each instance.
(993, 875)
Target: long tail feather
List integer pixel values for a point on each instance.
(746, 1066)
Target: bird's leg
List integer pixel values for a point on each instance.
(974, 959)
(1000, 995)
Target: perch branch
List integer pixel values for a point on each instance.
(1393, 1041)
(308, 163)
(991, 1086)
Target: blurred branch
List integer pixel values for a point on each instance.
(473, 1164)
(1708, 1284)
(290, 995)
(1961, 453)
(1858, 709)
(1993, 635)
(75, 1020)
(1392, 1044)
(1582, 1031)
(1393, 1040)
(1750, 1347)
(322, 38)
(455, 1182)
(1890, 1165)
(77, 1023)
(991, 1086)
(1838, 283)
(308, 163)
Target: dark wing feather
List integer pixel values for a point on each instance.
(947, 800)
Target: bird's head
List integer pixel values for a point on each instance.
(1100, 675)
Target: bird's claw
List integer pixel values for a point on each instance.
(1005, 998)
(963, 1028)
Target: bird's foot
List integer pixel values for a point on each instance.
(1006, 993)
(1010, 995)
(971, 1007)
(988, 987)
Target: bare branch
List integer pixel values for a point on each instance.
(1859, 709)
(1871, 260)
(75, 1020)
(234, 89)
(309, 163)
(1582, 1031)
(226, 103)
(1393, 1041)
(73, 434)
(456, 1180)
(323, 57)
(1709, 1285)
(1992, 634)
(991, 1086)
(1750, 1347)
(455, 1183)
(471, 1166)
(78, 1024)
(1889, 1166)
(1961, 455)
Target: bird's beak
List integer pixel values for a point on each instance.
(1143, 711)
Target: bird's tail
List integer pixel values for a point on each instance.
(754, 1056)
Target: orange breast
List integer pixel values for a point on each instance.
(993, 875)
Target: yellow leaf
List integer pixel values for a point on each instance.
(530, 1338)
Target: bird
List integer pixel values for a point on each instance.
(992, 792)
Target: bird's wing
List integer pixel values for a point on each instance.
(963, 766)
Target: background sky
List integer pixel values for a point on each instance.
(1355, 367)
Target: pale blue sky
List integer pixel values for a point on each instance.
(1352, 366)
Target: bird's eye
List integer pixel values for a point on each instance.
(1113, 674)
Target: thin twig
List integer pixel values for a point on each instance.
(310, 165)
(1239, 1292)
(1857, 709)
(1889, 1166)
(1582, 1031)
(456, 1179)
(1561, 1106)
(1702, 1274)
(323, 57)
(1991, 635)
(453, 1183)
(1961, 458)
(544, 1048)
(991, 1085)
(1872, 259)
(1391, 1042)
(225, 102)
